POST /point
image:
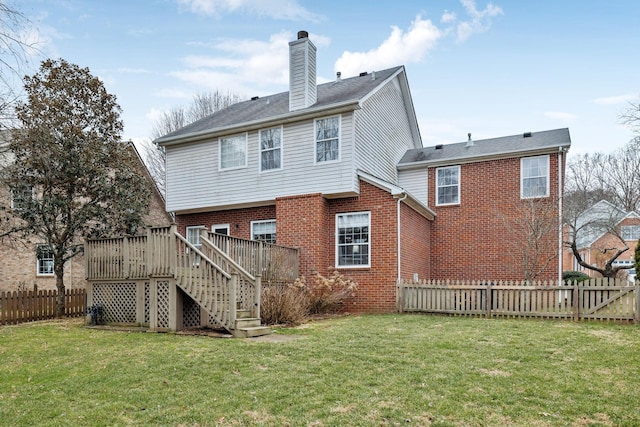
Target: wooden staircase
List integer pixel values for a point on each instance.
(227, 292)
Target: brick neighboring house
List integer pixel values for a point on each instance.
(23, 266)
(595, 241)
(339, 171)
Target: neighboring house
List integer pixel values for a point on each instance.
(595, 239)
(338, 170)
(26, 263)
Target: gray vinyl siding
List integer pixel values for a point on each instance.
(194, 181)
(383, 133)
(415, 182)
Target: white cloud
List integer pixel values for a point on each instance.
(480, 19)
(278, 9)
(612, 100)
(241, 66)
(559, 115)
(448, 17)
(399, 48)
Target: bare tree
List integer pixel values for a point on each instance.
(534, 228)
(202, 105)
(631, 116)
(15, 50)
(587, 222)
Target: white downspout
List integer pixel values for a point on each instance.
(398, 221)
(560, 203)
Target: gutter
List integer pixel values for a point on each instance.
(400, 199)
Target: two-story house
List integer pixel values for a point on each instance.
(339, 171)
(601, 230)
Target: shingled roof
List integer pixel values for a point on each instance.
(484, 149)
(341, 92)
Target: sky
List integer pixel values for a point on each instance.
(487, 68)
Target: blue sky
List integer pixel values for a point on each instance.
(490, 68)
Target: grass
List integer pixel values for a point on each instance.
(356, 370)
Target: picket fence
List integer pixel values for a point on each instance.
(595, 299)
(26, 306)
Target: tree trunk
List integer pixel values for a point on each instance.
(58, 268)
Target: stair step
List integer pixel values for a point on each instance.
(251, 332)
(243, 314)
(247, 322)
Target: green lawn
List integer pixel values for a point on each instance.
(350, 371)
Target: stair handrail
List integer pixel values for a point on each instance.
(202, 255)
(244, 273)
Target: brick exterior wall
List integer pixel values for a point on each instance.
(308, 223)
(481, 237)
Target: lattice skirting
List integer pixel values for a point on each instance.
(118, 301)
(163, 304)
(190, 312)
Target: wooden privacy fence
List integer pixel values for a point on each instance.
(595, 299)
(26, 306)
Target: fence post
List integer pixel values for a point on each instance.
(399, 296)
(576, 302)
(636, 315)
(489, 299)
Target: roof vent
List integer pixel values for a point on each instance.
(253, 98)
(362, 74)
(373, 75)
(526, 135)
(470, 142)
(439, 147)
(338, 76)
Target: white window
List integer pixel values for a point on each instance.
(193, 236)
(44, 261)
(20, 196)
(630, 232)
(534, 177)
(220, 229)
(233, 152)
(264, 231)
(271, 149)
(327, 139)
(448, 185)
(352, 239)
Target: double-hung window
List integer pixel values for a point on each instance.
(44, 261)
(220, 229)
(630, 232)
(327, 139)
(448, 185)
(21, 196)
(271, 149)
(353, 248)
(233, 152)
(264, 231)
(534, 177)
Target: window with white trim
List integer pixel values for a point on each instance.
(534, 177)
(220, 229)
(233, 152)
(20, 196)
(630, 232)
(271, 149)
(44, 261)
(193, 235)
(448, 185)
(327, 137)
(353, 248)
(264, 231)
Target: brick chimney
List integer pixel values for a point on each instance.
(302, 72)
